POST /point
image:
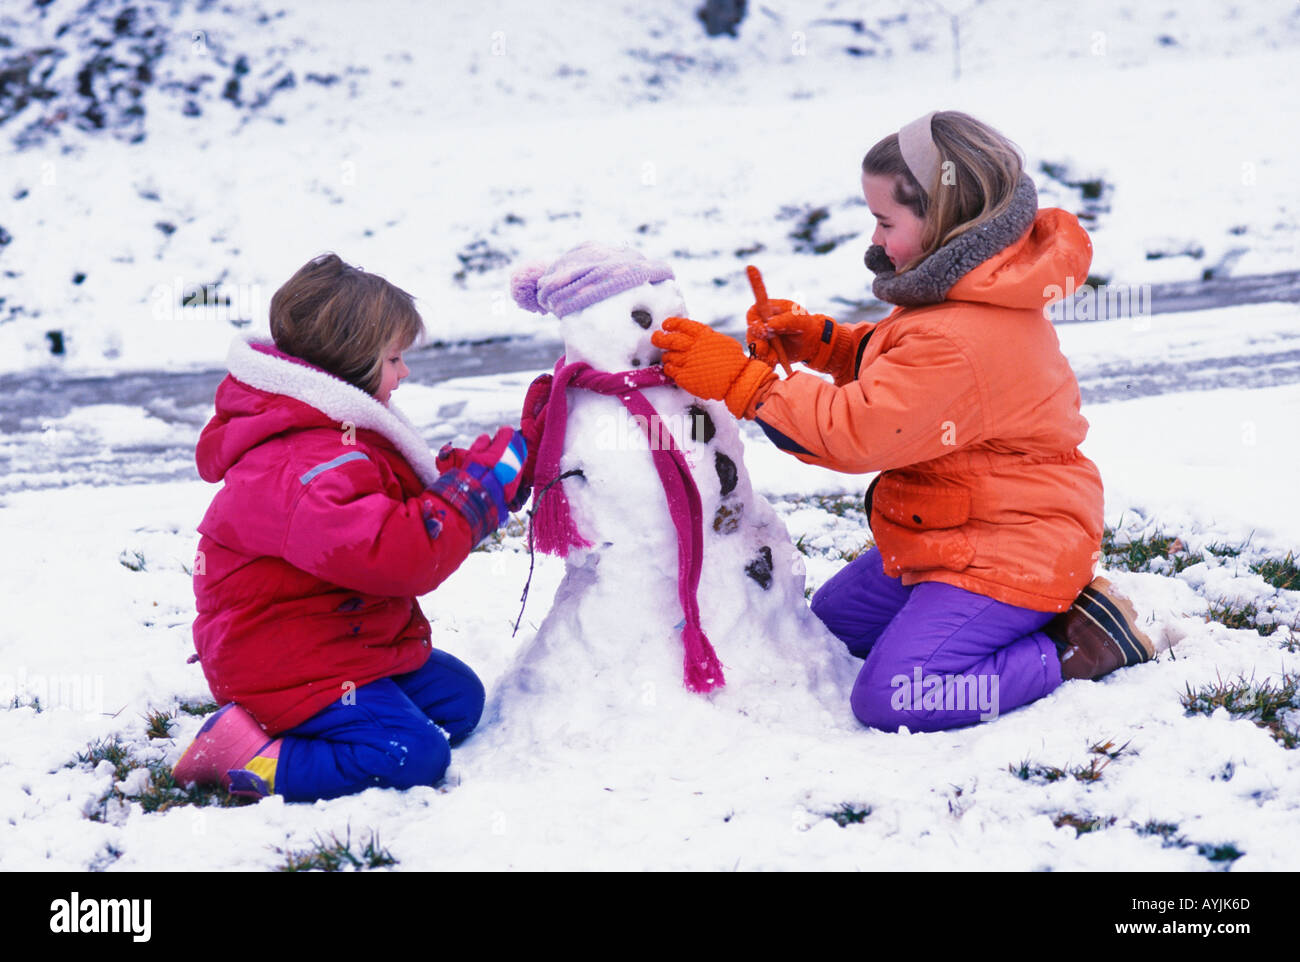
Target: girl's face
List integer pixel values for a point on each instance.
(898, 230)
(394, 369)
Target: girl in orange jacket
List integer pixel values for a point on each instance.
(987, 519)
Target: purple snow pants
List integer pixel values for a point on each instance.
(937, 656)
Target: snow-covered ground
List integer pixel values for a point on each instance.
(102, 643)
(502, 132)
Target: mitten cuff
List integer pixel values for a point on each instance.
(842, 363)
(749, 388)
(471, 498)
(834, 348)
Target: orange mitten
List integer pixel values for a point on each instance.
(711, 365)
(800, 332)
(814, 339)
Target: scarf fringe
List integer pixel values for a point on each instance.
(702, 670)
(554, 532)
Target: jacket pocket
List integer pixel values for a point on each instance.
(921, 506)
(918, 525)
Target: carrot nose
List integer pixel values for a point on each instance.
(760, 299)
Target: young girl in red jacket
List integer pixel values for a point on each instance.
(333, 517)
(978, 595)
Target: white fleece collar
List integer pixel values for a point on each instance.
(333, 397)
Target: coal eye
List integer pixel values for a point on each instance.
(643, 318)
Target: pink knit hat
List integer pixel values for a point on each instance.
(584, 276)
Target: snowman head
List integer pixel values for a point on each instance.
(609, 300)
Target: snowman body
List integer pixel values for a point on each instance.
(610, 647)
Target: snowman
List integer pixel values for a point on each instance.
(682, 591)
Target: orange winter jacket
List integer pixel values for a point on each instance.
(970, 413)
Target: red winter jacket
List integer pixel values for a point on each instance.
(314, 550)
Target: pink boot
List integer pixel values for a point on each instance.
(231, 750)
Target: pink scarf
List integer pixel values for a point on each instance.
(544, 421)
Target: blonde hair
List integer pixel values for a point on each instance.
(342, 319)
(976, 180)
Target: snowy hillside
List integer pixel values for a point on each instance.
(168, 169)
(164, 166)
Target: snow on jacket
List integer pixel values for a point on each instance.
(314, 550)
(971, 414)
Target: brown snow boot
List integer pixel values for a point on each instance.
(1098, 633)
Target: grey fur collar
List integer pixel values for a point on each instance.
(929, 281)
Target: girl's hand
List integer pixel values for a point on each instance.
(805, 337)
(496, 463)
(711, 365)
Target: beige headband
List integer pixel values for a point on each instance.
(916, 144)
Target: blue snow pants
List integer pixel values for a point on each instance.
(937, 656)
(396, 732)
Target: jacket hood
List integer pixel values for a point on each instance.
(1053, 255)
(269, 392)
(1020, 258)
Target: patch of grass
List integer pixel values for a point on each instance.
(106, 856)
(1028, 772)
(1220, 550)
(1082, 823)
(1169, 838)
(1261, 702)
(516, 527)
(1167, 832)
(1283, 574)
(1225, 852)
(849, 813)
(160, 791)
(331, 855)
(132, 560)
(197, 709)
(20, 701)
(1103, 753)
(1234, 613)
(109, 750)
(1024, 771)
(163, 793)
(1107, 749)
(1155, 552)
(1292, 641)
(159, 724)
(850, 554)
(1159, 552)
(839, 505)
(1090, 772)
(849, 507)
